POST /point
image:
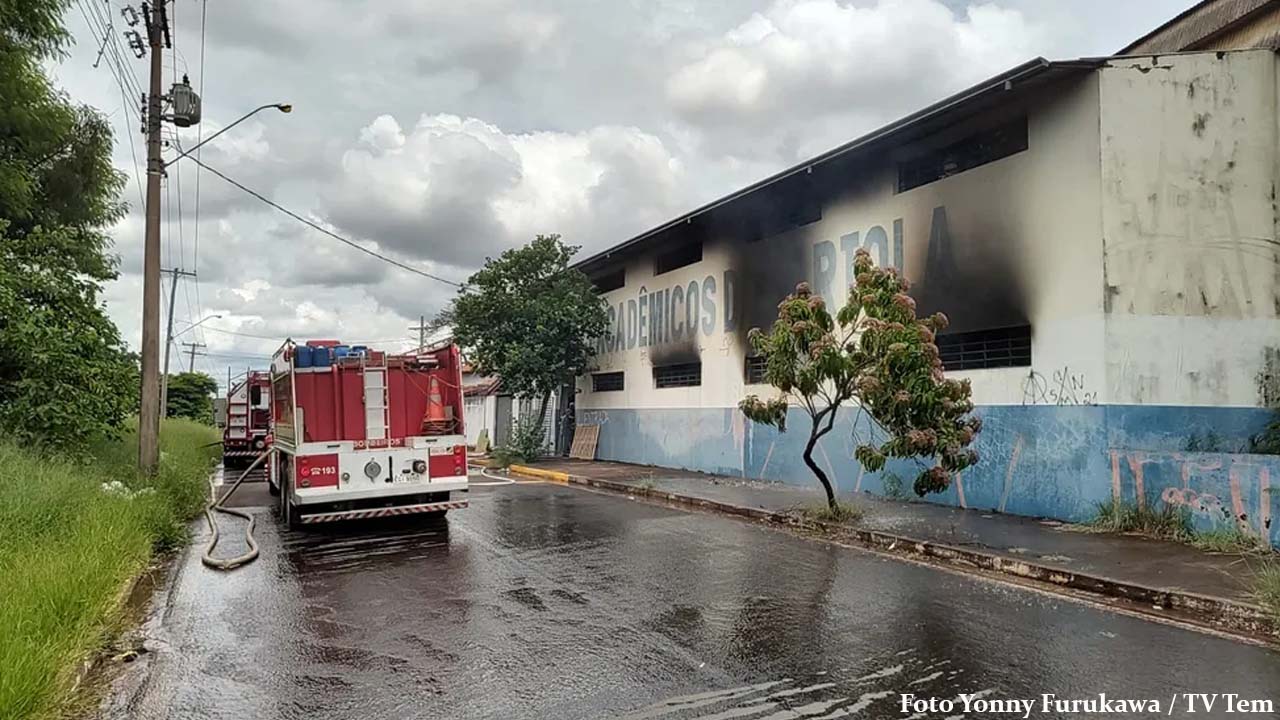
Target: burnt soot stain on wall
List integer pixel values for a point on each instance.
(973, 276)
(969, 271)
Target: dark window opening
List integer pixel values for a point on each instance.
(678, 257)
(255, 395)
(808, 211)
(756, 365)
(606, 382)
(1001, 347)
(977, 149)
(612, 281)
(682, 375)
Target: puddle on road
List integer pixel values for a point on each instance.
(844, 693)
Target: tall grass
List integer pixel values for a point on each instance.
(68, 546)
(1267, 589)
(1165, 523)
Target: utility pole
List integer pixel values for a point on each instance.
(186, 112)
(149, 411)
(168, 338)
(422, 332)
(194, 346)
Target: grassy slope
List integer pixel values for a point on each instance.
(67, 547)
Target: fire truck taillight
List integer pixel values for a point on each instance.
(446, 461)
(317, 471)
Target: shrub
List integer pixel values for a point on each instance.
(526, 444)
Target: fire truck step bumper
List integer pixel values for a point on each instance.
(383, 512)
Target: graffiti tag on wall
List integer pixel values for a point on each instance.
(1063, 387)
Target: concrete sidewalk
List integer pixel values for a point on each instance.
(1161, 573)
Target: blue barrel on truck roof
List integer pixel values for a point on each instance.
(320, 357)
(340, 351)
(301, 357)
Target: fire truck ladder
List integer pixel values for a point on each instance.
(377, 418)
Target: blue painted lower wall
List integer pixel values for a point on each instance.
(1042, 461)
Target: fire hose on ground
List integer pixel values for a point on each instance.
(216, 505)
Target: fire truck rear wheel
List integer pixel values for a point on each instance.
(288, 511)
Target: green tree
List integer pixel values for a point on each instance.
(191, 396)
(528, 318)
(64, 372)
(878, 353)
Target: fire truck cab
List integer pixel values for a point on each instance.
(360, 433)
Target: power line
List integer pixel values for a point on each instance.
(192, 310)
(242, 334)
(280, 338)
(100, 22)
(118, 49)
(118, 71)
(195, 251)
(314, 226)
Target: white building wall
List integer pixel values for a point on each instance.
(1189, 163)
(1028, 224)
(1137, 236)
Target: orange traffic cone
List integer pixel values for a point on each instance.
(436, 421)
(435, 403)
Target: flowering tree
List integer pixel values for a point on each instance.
(877, 352)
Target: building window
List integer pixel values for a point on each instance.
(678, 257)
(674, 376)
(606, 382)
(756, 365)
(1001, 347)
(977, 149)
(612, 281)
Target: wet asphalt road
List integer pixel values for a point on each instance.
(541, 601)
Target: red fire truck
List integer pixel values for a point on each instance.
(360, 433)
(248, 421)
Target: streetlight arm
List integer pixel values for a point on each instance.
(194, 325)
(282, 107)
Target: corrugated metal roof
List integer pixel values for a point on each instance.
(984, 94)
(1192, 26)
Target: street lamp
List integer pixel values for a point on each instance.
(168, 350)
(282, 107)
(197, 324)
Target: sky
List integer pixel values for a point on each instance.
(440, 133)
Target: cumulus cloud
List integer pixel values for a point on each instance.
(800, 62)
(455, 190)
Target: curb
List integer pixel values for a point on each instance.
(540, 474)
(1219, 613)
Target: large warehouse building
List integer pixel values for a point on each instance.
(1102, 234)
